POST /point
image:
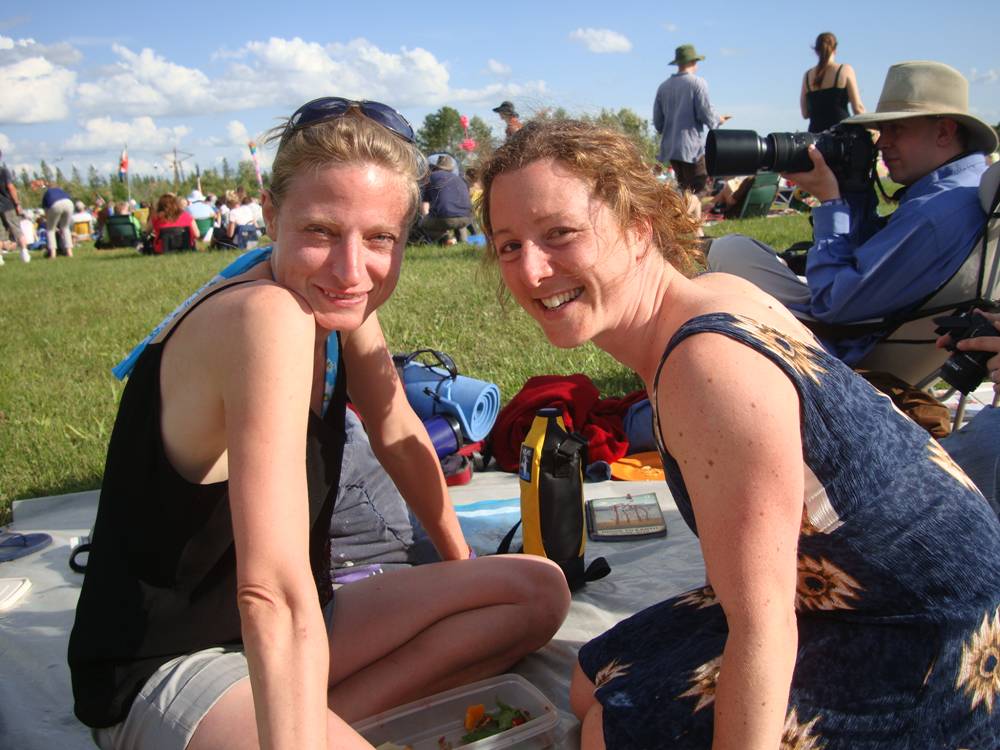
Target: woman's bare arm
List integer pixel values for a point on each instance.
(264, 369)
(731, 420)
(853, 95)
(398, 437)
(803, 101)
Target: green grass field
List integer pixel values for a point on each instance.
(65, 323)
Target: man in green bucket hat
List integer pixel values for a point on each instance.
(682, 114)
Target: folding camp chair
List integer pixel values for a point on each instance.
(907, 348)
(758, 200)
(176, 238)
(246, 236)
(203, 226)
(81, 230)
(121, 232)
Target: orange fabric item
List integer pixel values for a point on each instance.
(639, 467)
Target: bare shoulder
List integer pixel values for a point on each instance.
(257, 308)
(260, 320)
(723, 292)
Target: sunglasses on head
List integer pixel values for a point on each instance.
(331, 107)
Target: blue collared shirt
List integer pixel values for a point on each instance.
(682, 113)
(858, 269)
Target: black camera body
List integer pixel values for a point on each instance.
(847, 149)
(965, 370)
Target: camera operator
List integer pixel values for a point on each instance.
(861, 266)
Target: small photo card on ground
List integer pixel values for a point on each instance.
(625, 518)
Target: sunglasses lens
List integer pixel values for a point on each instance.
(387, 117)
(332, 107)
(325, 108)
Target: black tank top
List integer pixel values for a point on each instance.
(827, 107)
(161, 575)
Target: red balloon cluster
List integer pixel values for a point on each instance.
(469, 144)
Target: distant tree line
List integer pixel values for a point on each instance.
(442, 131)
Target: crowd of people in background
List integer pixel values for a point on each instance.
(60, 222)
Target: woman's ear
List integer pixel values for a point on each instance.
(640, 237)
(270, 212)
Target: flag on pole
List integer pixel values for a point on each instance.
(123, 165)
(256, 162)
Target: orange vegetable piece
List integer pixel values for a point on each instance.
(473, 714)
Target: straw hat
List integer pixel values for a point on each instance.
(685, 54)
(921, 88)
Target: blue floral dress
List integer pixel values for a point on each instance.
(898, 597)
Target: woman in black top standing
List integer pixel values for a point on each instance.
(828, 88)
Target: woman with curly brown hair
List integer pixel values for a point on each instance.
(168, 213)
(840, 611)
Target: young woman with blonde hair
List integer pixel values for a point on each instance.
(207, 618)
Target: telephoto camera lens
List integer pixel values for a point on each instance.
(738, 152)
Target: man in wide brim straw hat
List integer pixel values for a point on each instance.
(861, 266)
(929, 89)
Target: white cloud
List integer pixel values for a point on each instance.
(34, 90)
(5, 144)
(671, 27)
(278, 73)
(238, 133)
(601, 40)
(146, 83)
(16, 50)
(987, 76)
(141, 134)
(498, 68)
(287, 72)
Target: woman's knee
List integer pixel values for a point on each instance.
(542, 589)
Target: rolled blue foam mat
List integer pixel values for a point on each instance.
(432, 391)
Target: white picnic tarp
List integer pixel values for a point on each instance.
(36, 708)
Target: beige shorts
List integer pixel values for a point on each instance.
(172, 703)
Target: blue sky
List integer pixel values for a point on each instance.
(79, 80)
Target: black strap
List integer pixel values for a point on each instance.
(597, 570)
(75, 566)
(445, 361)
(504, 547)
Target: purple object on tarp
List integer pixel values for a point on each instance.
(445, 432)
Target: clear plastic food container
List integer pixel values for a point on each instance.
(430, 723)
